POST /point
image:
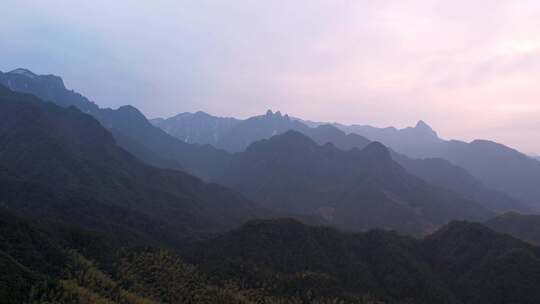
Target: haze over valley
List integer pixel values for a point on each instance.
(200, 152)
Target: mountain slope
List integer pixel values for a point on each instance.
(44, 264)
(198, 128)
(497, 166)
(483, 266)
(128, 125)
(351, 189)
(66, 154)
(442, 173)
(290, 257)
(244, 133)
(437, 172)
(398, 139)
(524, 227)
(461, 263)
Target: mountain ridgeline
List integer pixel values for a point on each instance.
(130, 128)
(103, 206)
(355, 189)
(66, 158)
(136, 134)
(498, 168)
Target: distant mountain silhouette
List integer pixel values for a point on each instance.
(130, 128)
(398, 139)
(134, 133)
(356, 189)
(197, 128)
(60, 163)
(442, 173)
(435, 171)
(235, 135)
(497, 166)
(246, 132)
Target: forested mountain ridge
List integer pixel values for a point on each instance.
(524, 227)
(66, 158)
(355, 189)
(436, 171)
(460, 263)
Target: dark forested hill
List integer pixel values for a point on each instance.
(63, 161)
(461, 263)
(291, 258)
(65, 265)
(356, 189)
(524, 227)
(482, 266)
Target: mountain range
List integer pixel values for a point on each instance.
(66, 158)
(355, 189)
(130, 128)
(100, 206)
(133, 132)
(494, 165)
(437, 171)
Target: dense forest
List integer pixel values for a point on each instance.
(267, 261)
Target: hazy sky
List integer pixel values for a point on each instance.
(470, 68)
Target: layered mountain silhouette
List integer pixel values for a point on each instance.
(133, 132)
(497, 166)
(398, 139)
(246, 132)
(129, 126)
(89, 214)
(355, 189)
(61, 163)
(494, 165)
(435, 171)
(461, 263)
(235, 135)
(197, 128)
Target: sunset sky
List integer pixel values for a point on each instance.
(470, 69)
